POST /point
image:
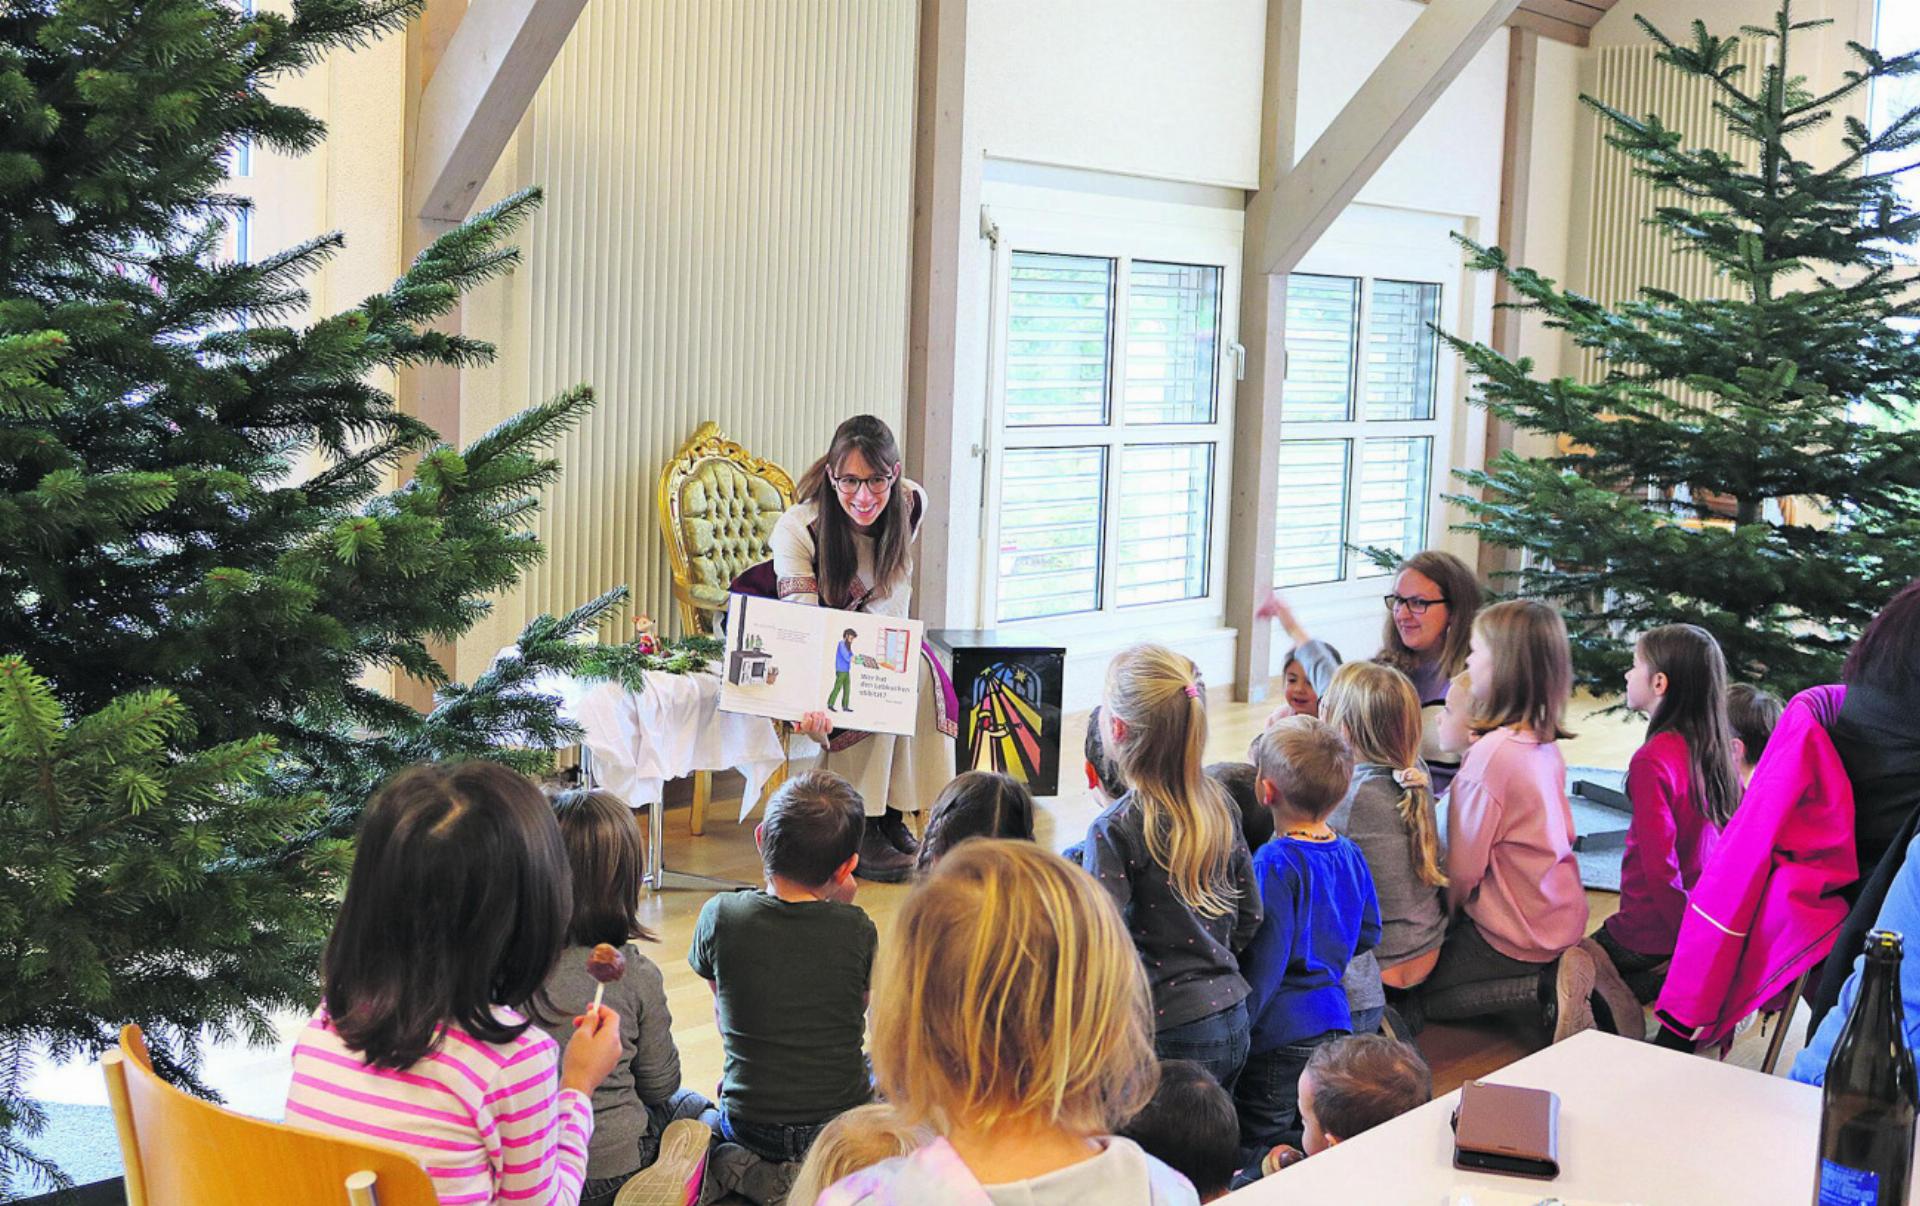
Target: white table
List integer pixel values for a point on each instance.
(634, 741)
(1638, 1124)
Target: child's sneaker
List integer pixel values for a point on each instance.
(674, 1178)
(1572, 992)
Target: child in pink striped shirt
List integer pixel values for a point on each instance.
(455, 913)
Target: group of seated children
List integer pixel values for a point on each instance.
(1207, 982)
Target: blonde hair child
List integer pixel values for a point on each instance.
(1011, 1018)
(1510, 865)
(1389, 814)
(860, 1138)
(1172, 854)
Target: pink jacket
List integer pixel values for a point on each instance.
(1768, 906)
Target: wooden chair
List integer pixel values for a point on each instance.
(718, 507)
(181, 1151)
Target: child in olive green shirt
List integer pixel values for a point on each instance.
(790, 967)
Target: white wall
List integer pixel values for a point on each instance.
(1170, 91)
(725, 236)
(1162, 88)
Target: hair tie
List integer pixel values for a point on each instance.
(1193, 690)
(1411, 777)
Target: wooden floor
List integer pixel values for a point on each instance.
(1457, 1053)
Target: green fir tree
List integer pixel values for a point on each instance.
(1799, 387)
(173, 571)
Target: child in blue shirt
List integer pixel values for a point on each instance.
(1319, 911)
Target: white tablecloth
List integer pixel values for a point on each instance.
(1638, 1124)
(667, 730)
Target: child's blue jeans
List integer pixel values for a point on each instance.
(1267, 1099)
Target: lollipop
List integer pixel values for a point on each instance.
(606, 964)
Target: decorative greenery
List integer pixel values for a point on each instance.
(1797, 389)
(202, 552)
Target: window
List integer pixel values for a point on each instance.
(1112, 430)
(1896, 32)
(1360, 422)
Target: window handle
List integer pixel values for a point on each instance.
(1239, 353)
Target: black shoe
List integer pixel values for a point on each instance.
(893, 827)
(879, 860)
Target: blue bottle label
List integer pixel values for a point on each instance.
(1843, 1186)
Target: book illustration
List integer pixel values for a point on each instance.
(751, 665)
(784, 660)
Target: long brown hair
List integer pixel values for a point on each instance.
(1532, 669)
(603, 848)
(1695, 707)
(1189, 824)
(1376, 708)
(835, 563)
(1460, 589)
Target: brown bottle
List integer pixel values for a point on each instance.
(1867, 1108)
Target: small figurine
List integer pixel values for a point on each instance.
(643, 638)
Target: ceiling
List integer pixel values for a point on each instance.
(1561, 20)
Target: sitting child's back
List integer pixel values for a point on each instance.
(790, 979)
(790, 968)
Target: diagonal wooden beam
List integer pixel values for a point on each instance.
(477, 95)
(1428, 57)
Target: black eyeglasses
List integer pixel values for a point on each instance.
(1415, 607)
(850, 486)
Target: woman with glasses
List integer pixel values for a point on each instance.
(848, 543)
(1429, 624)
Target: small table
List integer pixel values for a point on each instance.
(1638, 1124)
(634, 741)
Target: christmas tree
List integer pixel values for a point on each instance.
(1796, 390)
(201, 550)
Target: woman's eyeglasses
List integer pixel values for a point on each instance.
(850, 486)
(1415, 607)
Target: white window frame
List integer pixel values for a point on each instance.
(1388, 246)
(1122, 231)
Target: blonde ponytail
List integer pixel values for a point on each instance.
(1377, 709)
(1189, 825)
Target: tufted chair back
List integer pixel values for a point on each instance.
(718, 506)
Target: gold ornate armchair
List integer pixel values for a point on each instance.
(718, 506)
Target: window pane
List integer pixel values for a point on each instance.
(1173, 332)
(1310, 531)
(1050, 521)
(1323, 329)
(1059, 311)
(1401, 349)
(1393, 498)
(1165, 494)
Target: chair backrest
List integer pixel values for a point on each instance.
(718, 507)
(181, 1151)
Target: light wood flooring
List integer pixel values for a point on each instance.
(1457, 1053)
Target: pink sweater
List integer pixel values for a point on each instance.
(488, 1121)
(1510, 848)
(1668, 840)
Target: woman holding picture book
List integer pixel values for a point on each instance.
(848, 543)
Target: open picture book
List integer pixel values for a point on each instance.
(784, 660)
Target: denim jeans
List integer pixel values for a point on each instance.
(1644, 974)
(1217, 1042)
(781, 1142)
(1367, 1021)
(1267, 1099)
(600, 1191)
(1472, 980)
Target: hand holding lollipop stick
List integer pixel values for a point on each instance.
(606, 964)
